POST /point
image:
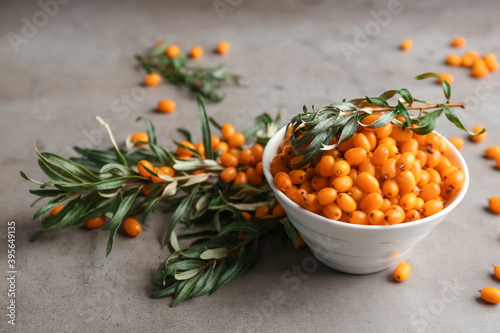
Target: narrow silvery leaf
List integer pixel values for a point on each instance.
(215, 254)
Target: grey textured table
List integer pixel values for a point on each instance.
(80, 63)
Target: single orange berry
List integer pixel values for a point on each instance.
(221, 147)
(247, 216)
(227, 130)
(95, 222)
(222, 47)
(479, 69)
(480, 137)
(196, 52)
(228, 174)
(491, 62)
(453, 60)
(166, 106)
(278, 210)
(496, 271)
(490, 295)
(236, 140)
(147, 188)
(402, 271)
(172, 51)
(152, 79)
(241, 178)
(183, 151)
(164, 170)
(407, 44)
(458, 42)
(493, 152)
(467, 60)
(141, 168)
(447, 77)
(132, 227)
(54, 211)
(494, 204)
(138, 139)
(457, 142)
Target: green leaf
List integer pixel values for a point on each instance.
(231, 272)
(377, 100)
(446, 86)
(402, 111)
(384, 119)
(126, 171)
(406, 95)
(57, 169)
(215, 253)
(150, 129)
(158, 50)
(106, 184)
(118, 154)
(185, 291)
(165, 292)
(71, 215)
(290, 231)
(215, 123)
(116, 221)
(181, 211)
(75, 168)
(454, 119)
(189, 136)
(205, 129)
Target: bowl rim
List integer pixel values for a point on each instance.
(446, 210)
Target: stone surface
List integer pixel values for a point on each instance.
(81, 64)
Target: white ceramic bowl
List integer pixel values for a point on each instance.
(359, 249)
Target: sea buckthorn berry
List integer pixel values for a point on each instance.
(490, 295)
(457, 142)
(139, 137)
(257, 151)
(402, 271)
(491, 62)
(345, 145)
(288, 152)
(196, 52)
(261, 211)
(390, 188)
(335, 153)
(222, 48)
(311, 203)
(355, 156)
(298, 176)
(164, 170)
(342, 184)
(480, 137)
(494, 204)
(346, 203)
(479, 69)
(456, 179)
(442, 145)
(228, 174)
(147, 188)
(200, 148)
(412, 215)
(307, 186)
(152, 79)
(409, 146)
(358, 217)
(434, 176)
(368, 182)
(421, 157)
(416, 170)
(236, 140)
(393, 150)
(394, 216)
(166, 106)
(254, 178)
(228, 160)
(447, 171)
(367, 166)
(282, 181)
(401, 135)
(141, 168)
(183, 151)
(54, 211)
(221, 147)
(433, 158)
(326, 166)
(384, 131)
(372, 139)
(278, 210)
(432, 141)
(408, 201)
(311, 173)
(496, 271)
(299, 197)
(132, 227)
(467, 60)
(453, 60)
(332, 211)
(443, 164)
(356, 193)
(407, 44)
(372, 201)
(493, 152)
(341, 168)
(95, 222)
(387, 140)
(259, 167)
(368, 120)
(430, 191)
(246, 157)
(198, 172)
(247, 216)
(290, 192)
(406, 182)
(376, 217)
(380, 155)
(395, 200)
(361, 141)
(241, 178)
(227, 130)
(318, 183)
(405, 161)
(398, 208)
(432, 207)
(389, 169)
(234, 151)
(326, 196)
(419, 204)
(172, 51)
(446, 77)
(279, 167)
(215, 141)
(386, 204)
(296, 161)
(458, 42)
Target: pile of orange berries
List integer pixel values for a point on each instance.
(379, 176)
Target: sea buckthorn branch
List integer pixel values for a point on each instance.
(314, 131)
(180, 71)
